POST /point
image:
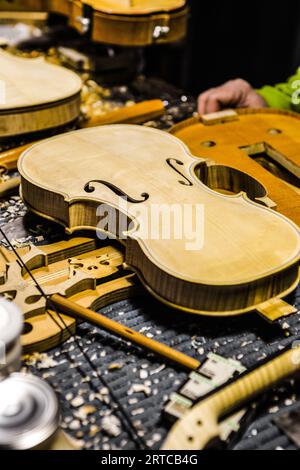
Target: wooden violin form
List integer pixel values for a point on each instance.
(264, 143)
(117, 22)
(23, 5)
(242, 256)
(37, 96)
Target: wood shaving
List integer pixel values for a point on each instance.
(111, 425)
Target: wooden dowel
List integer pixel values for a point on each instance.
(76, 311)
(135, 114)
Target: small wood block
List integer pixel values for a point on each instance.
(220, 117)
(266, 201)
(275, 309)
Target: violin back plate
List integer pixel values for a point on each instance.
(241, 254)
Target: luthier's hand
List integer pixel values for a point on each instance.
(233, 94)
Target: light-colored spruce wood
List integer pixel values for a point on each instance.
(235, 143)
(77, 275)
(200, 426)
(250, 253)
(38, 95)
(59, 6)
(136, 23)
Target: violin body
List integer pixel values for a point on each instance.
(38, 95)
(264, 143)
(242, 256)
(130, 23)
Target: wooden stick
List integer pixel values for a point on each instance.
(82, 313)
(200, 425)
(135, 114)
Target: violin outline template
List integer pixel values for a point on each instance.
(250, 254)
(199, 428)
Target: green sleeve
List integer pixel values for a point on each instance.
(284, 95)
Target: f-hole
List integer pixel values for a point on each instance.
(275, 163)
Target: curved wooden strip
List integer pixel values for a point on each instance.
(274, 134)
